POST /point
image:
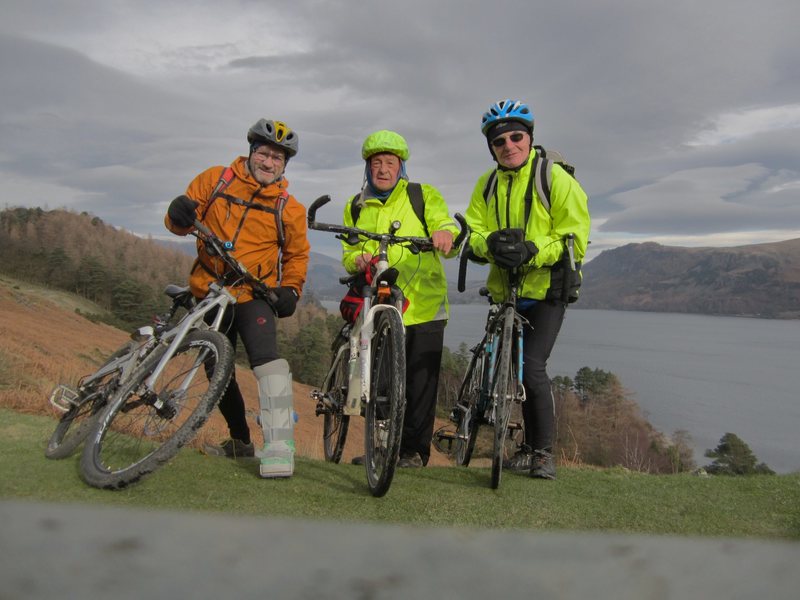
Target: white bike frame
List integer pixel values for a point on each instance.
(360, 359)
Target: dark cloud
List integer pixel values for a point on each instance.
(621, 87)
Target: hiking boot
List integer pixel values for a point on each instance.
(522, 461)
(544, 465)
(277, 459)
(231, 448)
(411, 460)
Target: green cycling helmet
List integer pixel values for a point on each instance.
(385, 141)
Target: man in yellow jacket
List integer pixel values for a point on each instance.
(248, 205)
(534, 247)
(384, 198)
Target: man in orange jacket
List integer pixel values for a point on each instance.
(249, 206)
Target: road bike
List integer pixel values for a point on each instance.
(168, 398)
(368, 371)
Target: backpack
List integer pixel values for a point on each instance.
(225, 180)
(414, 191)
(565, 281)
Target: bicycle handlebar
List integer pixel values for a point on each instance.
(222, 249)
(352, 233)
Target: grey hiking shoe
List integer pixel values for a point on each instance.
(231, 448)
(544, 465)
(410, 461)
(522, 460)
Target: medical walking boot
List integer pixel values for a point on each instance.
(276, 418)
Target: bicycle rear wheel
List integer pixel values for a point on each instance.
(335, 422)
(386, 405)
(143, 428)
(502, 386)
(75, 424)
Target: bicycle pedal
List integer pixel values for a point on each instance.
(64, 397)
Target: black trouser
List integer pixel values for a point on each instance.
(254, 322)
(424, 343)
(538, 410)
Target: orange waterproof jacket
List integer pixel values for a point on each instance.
(253, 232)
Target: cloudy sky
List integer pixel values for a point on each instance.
(682, 117)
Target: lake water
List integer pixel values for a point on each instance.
(706, 375)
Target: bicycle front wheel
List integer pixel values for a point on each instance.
(75, 424)
(335, 422)
(501, 395)
(386, 405)
(143, 427)
(469, 398)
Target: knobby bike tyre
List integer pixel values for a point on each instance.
(501, 389)
(386, 405)
(469, 396)
(134, 436)
(335, 422)
(75, 424)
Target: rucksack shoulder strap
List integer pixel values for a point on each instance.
(414, 191)
(542, 169)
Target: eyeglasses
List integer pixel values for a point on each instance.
(515, 138)
(276, 157)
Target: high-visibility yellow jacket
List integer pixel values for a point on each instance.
(254, 232)
(422, 277)
(569, 213)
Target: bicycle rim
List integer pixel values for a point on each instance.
(335, 422)
(387, 402)
(75, 424)
(501, 389)
(141, 430)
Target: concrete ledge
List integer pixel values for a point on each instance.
(91, 552)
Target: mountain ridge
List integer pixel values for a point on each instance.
(754, 280)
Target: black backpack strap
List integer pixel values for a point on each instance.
(414, 191)
(356, 204)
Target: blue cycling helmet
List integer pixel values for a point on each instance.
(507, 110)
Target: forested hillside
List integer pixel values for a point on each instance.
(79, 253)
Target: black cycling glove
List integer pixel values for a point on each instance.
(286, 301)
(510, 249)
(182, 211)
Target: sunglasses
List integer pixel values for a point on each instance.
(516, 138)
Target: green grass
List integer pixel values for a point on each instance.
(581, 499)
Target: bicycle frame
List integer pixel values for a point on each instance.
(360, 358)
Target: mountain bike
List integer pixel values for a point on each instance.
(492, 387)
(368, 371)
(82, 404)
(492, 390)
(169, 397)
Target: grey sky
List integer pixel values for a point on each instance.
(682, 117)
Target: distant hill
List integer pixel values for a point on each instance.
(760, 280)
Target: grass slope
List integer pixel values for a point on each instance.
(581, 499)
